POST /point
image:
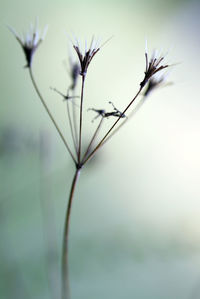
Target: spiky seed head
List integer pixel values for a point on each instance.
(30, 41)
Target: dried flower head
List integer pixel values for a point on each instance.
(86, 57)
(103, 113)
(153, 66)
(30, 41)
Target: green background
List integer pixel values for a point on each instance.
(135, 229)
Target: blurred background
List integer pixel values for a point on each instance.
(135, 225)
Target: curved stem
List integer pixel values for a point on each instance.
(65, 271)
(81, 119)
(109, 131)
(50, 115)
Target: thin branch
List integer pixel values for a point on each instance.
(92, 140)
(71, 127)
(109, 131)
(50, 115)
(74, 122)
(81, 119)
(65, 270)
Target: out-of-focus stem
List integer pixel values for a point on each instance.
(71, 126)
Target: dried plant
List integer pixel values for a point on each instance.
(80, 158)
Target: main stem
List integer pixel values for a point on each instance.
(65, 266)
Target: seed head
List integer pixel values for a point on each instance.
(30, 41)
(104, 114)
(85, 58)
(153, 66)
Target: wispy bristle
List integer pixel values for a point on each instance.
(146, 46)
(102, 45)
(44, 32)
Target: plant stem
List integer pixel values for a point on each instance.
(71, 127)
(74, 122)
(65, 271)
(49, 113)
(92, 140)
(81, 120)
(106, 135)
